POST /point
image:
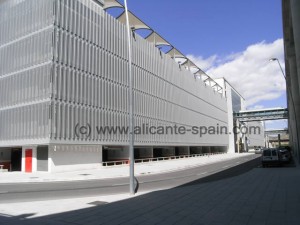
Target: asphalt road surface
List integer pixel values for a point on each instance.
(22, 192)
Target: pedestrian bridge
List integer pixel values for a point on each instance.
(277, 131)
(261, 114)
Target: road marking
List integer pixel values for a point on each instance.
(238, 162)
(226, 166)
(119, 184)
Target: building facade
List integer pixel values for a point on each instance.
(291, 33)
(242, 136)
(64, 76)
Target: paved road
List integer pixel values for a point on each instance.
(57, 190)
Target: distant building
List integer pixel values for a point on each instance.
(251, 134)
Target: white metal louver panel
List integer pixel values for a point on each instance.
(90, 80)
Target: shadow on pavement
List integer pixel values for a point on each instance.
(238, 200)
(230, 172)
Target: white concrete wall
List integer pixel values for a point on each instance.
(257, 139)
(74, 157)
(231, 144)
(228, 94)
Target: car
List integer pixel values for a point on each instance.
(284, 155)
(258, 150)
(270, 156)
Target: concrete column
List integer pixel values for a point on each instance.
(231, 123)
(200, 149)
(291, 138)
(210, 150)
(294, 109)
(295, 73)
(291, 110)
(295, 13)
(51, 165)
(188, 150)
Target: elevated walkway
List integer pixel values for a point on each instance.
(261, 114)
(277, 131)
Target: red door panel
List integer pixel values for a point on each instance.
(28, 160)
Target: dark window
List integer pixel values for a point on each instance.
(236, 101)
(274, 152)
(267, 153)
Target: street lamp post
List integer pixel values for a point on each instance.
(131, 121)
(291, 98)
(275, 59)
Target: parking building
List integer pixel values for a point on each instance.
(64, 77)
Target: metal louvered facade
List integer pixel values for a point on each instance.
(26, 62)
(65, 62)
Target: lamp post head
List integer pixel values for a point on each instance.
(273, 59)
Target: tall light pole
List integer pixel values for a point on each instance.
(131, 121)
(275, 59)
(291, 98)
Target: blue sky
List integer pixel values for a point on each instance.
(208, 27)
(232, 38)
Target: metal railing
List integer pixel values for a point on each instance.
(147, 160)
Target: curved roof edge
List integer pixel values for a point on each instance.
(134, 21)
(112, 4)
(155, 38)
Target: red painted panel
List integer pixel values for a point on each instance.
(28, 160)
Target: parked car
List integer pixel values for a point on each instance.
(270, 156)
(258, 150)
(275, 156)
(284, 155)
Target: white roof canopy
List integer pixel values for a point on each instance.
(111, 4)
(190, 65)
(134, 21)
(157, 39)
(174, 53)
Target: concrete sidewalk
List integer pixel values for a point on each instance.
(261, 196)
(119, 171)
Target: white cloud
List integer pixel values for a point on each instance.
(202, 63)
(256, 107)
(250, 71)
